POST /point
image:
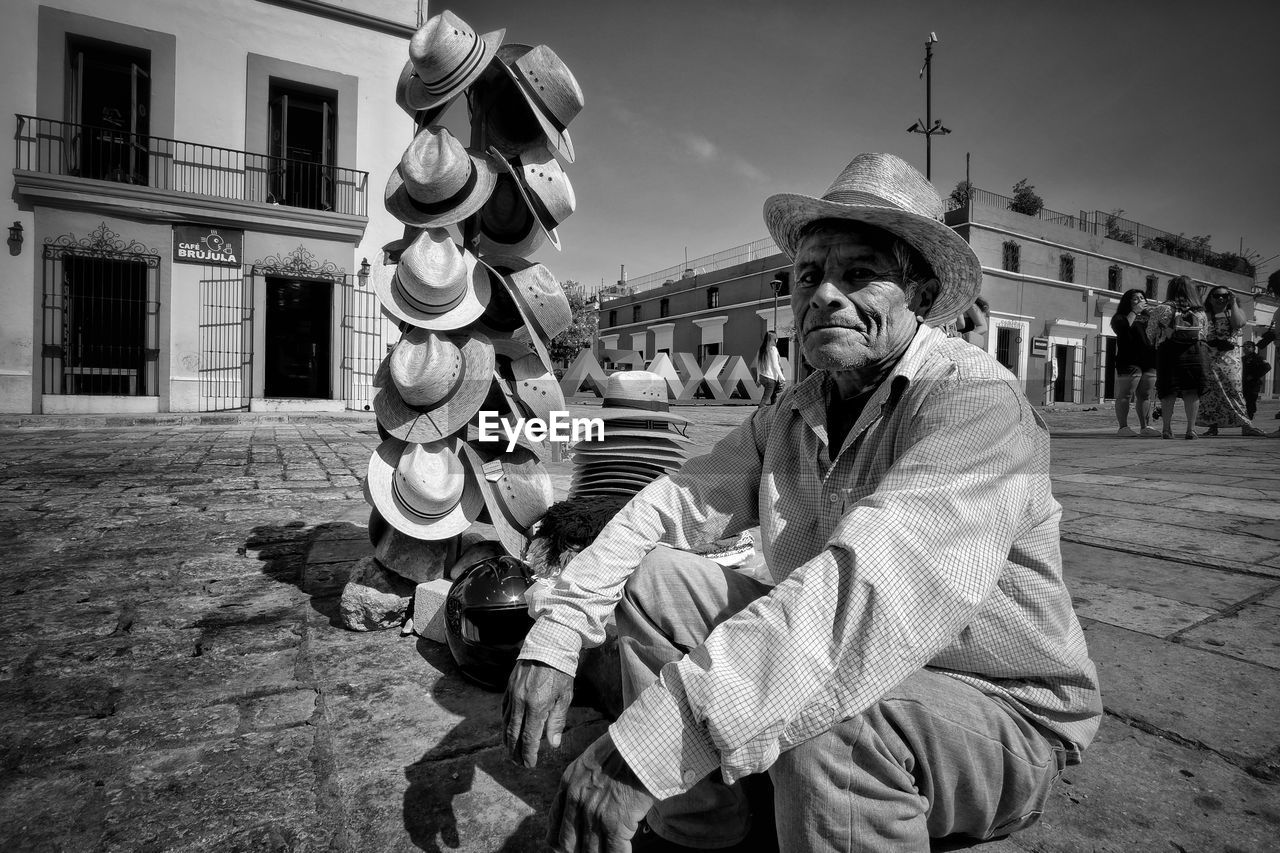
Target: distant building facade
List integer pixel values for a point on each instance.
(1052, 282)
(194, 188)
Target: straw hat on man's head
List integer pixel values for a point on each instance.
(447, 57)
(887, 192)
(436, 285)
(430, 385)
(438, 182)
(422, 490)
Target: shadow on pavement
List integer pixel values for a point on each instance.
(450, 786)
(317, 560)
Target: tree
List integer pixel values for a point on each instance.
(1113, 229)
(1273, 284)
(962, 194)
(1025, 200)
(581, 333)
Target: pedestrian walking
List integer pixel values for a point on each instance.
(1253, 368)
(769, 369)
(1181, 358)
(1223, 402)
(1135, 362)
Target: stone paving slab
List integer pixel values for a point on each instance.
(133, 548)
(1139, 793)
(1251, 633)
(1136, 611)
(1189, 694)
(1195, 585)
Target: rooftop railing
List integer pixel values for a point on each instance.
(761, 248)
(111, 154)
(1115, 227)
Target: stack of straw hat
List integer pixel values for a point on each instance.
(476, 315)
(643, 439)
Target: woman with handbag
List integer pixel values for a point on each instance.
(1223, 402)
(1181, 357)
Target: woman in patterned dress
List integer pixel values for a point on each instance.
(1223, 403)
(1181, 358)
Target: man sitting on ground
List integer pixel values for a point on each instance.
(915, 669)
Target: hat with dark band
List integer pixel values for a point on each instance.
(438, 182)
(447, 57)
(430, 385)
(422, 490)
(436, 285)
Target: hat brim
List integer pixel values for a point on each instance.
(474, 300)
(489, 44)
(624, 466)
(513, 535)
(400, 204)
(612, 413)
(603, 490)
(538, 391)
(537, 345)
(614, 431)
(381, 496)
(532, 241)
(674, 460)
(409, 423)
(952, 260)
(412, 97)
(548, 231)
(559, 140)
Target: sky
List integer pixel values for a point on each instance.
(697, 111)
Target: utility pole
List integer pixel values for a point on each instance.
(928, 127)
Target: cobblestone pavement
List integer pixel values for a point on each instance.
(171, 678)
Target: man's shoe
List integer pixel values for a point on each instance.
(1252, 430)
(1213, 430)
(1125, 431)
(1191, 435)
(1149, 432)
(1167, 434)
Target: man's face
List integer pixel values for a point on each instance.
(849, 309)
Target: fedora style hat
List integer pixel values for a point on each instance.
(887, 192)
(517, 491)
(447, 57)
(506, 225)
(430, 385)
(543, 186)
(422, 490)
(538, 296)
(637, 395)
(536, 387)
(438, 182)
(551, 93)
(411, 95)
(436, 285)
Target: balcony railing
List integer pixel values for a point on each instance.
(110, 154)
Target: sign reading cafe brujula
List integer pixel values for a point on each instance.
(200, 244)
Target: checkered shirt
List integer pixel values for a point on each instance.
(932, 540)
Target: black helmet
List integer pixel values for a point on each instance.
(486, 619)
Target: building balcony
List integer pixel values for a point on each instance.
(115, 170)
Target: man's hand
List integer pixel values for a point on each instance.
(599, 804)
(537, 696)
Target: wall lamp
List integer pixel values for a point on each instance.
(15, 238)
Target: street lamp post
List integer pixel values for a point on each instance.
(928, 127)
